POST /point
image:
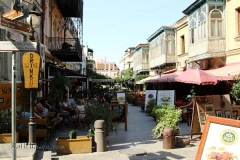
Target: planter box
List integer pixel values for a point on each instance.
(7, 137)
(82, 144)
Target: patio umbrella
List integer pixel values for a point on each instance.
(196, 76)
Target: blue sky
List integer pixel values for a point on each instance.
(111, 26)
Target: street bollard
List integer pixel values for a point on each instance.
(168, 138)
(100, 136)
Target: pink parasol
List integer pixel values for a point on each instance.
(196, 76)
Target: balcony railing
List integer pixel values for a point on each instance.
(60, 44)
(65, 46)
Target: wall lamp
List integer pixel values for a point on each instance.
(34, 21)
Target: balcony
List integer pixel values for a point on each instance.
(67, 50)
(143, 67)
(70, 8)
(210, 48)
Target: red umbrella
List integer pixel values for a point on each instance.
(196, 76)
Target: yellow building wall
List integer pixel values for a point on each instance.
(181, 30)
(232, 41)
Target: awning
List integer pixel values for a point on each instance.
(227, 72)
(145, 79)
(165, 77)
(103, 80)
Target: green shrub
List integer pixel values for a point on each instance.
(150, 105)
(166, 116)
(73, 134)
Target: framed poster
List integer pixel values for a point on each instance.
(121, 110)
(166, 96)
(228, 114)
(121, 97)
(219, 113)
(209, 108)
(150, 94)
(223, 144)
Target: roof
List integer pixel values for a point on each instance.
(159, 31)
(195, 5)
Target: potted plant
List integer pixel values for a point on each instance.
(235, 90)
(74, 144)
(166, 116)
(5, 127)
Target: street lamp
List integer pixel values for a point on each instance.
(34, 21)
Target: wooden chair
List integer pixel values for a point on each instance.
(41, 128)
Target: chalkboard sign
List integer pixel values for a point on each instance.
(121, 110)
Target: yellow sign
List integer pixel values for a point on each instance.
(31, 65)
(6, 95)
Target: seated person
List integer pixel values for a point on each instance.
(66, 106)
(80, 110)
(40, 110)
(26, 115)
(186, 106)
(46, 105)
(57, 116)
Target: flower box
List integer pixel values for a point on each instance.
(82, 144)
(7, 137)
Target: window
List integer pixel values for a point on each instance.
(202, 26)
(193, 31)
(216, 24)
(182, 44)
(238, 21)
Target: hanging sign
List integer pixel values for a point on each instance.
(31, 66)
(13, 14)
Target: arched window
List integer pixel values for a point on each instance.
(193, 31)
(202, 26)
(216, 24)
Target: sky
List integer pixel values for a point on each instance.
(110, 27)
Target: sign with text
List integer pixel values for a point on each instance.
(8, 46)
(166, 96)
(15, 25)
(6, 95)
(13, 14)
(150, 94)
(220, 139)
(31, 66)
(121, 111)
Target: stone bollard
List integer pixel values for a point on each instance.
(100, 135)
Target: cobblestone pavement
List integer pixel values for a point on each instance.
(138, 137)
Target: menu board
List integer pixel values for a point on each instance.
(121, 110)
(166, 96)
(223, 144)
(150, 94)
(121, 97)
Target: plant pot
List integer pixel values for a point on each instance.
(7, 137)
(82, 144)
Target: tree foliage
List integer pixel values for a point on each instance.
(94, 75)
(140, 77)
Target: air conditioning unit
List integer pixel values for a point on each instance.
(204, 64)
